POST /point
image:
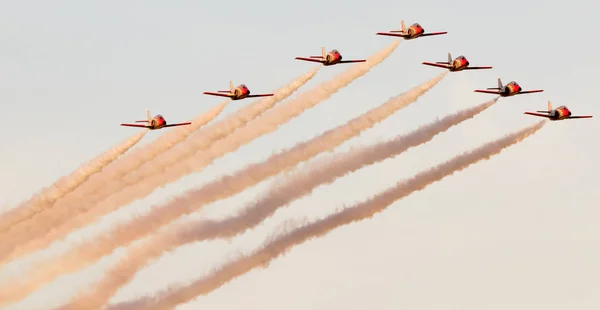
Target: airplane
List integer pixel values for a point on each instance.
(510, 89)
(154, 123)
(414, 31)
(328, 59)
(237, 93)
(557, 114)
(458, 64)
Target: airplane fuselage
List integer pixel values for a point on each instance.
(240, 92)
(459, 64)
(414, 32)
(510, 90)
(332, 58)
(559, 113)
(157, 122)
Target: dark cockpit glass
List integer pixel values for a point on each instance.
(335, 52)
(159, 116)
(417, 25)
(243, 86)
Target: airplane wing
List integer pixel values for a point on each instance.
(495, 92)
(319, 60)
(218, 94)
(260, 95)
(433, 34)
(135, 125)
(402, 35)
(349, 61)
(530, 91)
(477, 68)
(538, 114)
(583, 116)
(178, 124)
(445, 66)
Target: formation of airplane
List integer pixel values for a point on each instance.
(334, 57)
(459, 63)
(557, 114)
(328, 59)
(414, 31)
(240, 92)
(510, 89)
(153, 123)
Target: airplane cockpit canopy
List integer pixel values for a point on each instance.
(159, 116)
(335, 51)
(417, 25)
(243, 86)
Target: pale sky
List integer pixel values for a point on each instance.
(518, 231)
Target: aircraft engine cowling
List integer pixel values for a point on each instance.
(329, 57)
(237, 92)
(411, 31)
(153, 123)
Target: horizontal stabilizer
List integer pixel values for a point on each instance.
(433, 34)
(228, 94)
(389, 34)
(537, 114)
(487, 91)
(135, 125)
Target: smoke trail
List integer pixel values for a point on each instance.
(201, 140)
(81, 255)
(171, 297)
(66, 184)
(144, 181)
(295, 186)
(48, 226)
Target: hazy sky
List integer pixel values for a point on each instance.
(519, 231)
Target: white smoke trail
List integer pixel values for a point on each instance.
(66, 184)
(201, 140)
(295, 186)
(41, 223)
(173, 296)
(86, 253)
(149, 177)
(48, 225)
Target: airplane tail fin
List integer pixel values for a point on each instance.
(499, 85)
(231, 86)
(549, 108)
(449, 58)
(323, 51)
(403, 26)
(148, 116)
